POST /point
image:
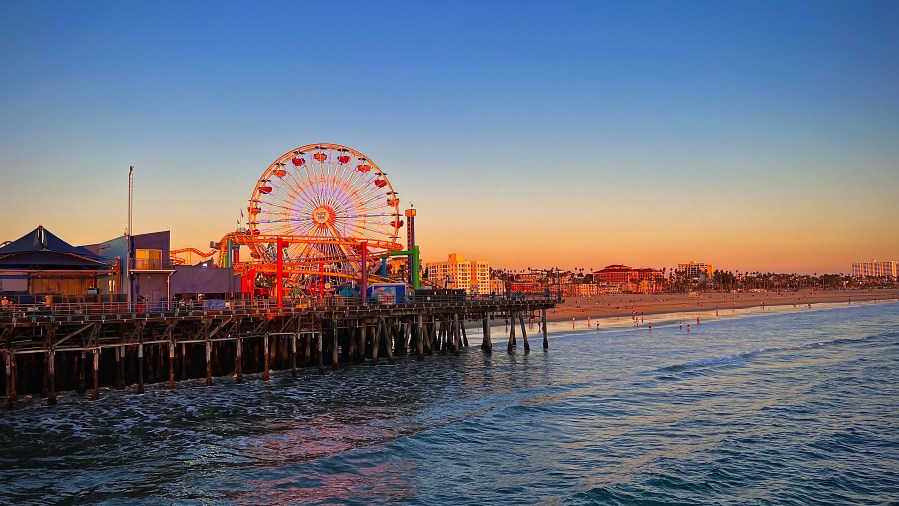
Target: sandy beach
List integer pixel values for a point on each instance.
(618, 305)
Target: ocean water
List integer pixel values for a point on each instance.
(790, 406)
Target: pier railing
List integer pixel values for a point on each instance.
(102, 310)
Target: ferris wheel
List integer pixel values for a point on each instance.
(324, 200)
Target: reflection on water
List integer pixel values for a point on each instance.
(786, 406)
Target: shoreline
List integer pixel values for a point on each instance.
(629, 305)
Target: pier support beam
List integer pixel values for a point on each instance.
(183, 361)
(119, 367)
(432, 337)
(82, 387)
(524, 333)
(457, 335)
(265, 365)
(543, 326)
(512, 343)
(375, 343)
(51, 378)
(293, 355)
(140, 367)
(10, 359)
(171, 364)
(95, 393)
(238, 360)
(351, 347)
(486, 343)
(360, 348)
(407, 337)
(321, 337)
(334, 357)
(420, 342)
(208, 362)
(387, 340)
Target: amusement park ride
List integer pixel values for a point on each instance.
(322, 218)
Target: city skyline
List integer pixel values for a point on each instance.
(753, 137)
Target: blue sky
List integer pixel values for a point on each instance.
(753, 135)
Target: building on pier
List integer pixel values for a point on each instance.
(40, 263)
(153, 276)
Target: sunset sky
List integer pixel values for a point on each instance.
(751, 135)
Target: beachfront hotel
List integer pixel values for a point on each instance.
(628, 279)
(699, 270)
(473, 276)
(875, 269)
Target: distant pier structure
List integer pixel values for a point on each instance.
(81, 346)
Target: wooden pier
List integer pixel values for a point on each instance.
(67, 347)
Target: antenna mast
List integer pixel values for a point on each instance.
(128, 241)
(130, 195)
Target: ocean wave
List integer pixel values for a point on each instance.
(741, 357)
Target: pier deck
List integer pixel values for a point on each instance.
(50, 348)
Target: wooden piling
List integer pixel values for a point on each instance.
(432, 337)
(464, 335)
(140, 367)
(375, 344)
(543, 318)
(265, 373)
(524, 334)
(82, 388)
(334, 357)
(95, 393)
(512, 343)
(486, 343)
(51, 377)
(457, 335)
(171, 364)
(10, 380)
(360, 350)
(387, 337)
(120, 367)
(420, 344)
(293, 355)
(208, 362)
(407, 337)
(238, 360)
(351, 350)
(321, 365)
(183, 361)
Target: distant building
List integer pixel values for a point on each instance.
(627, 278)
(874, 268)
(696, 270)
(473, 276)
(614, 274)
(580, 290)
